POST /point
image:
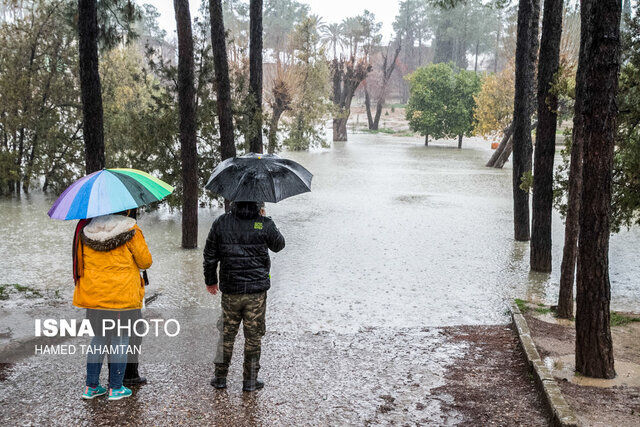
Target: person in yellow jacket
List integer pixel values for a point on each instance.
(110, 253)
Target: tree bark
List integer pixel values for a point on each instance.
(273, 131)
(346, 76)
(572, 225)
(504, 156)
(255, 74)
(340, 129)
(594, 347)
(187, 107)
(376, 118)
(495, 59)
(223, 86)
(475, 66)
(90, 88)
(460, 141)
(507, 133)
(387, 71)
(367, 105)
(526, 50)
(571, 228)
(426, 140)
(542, 206)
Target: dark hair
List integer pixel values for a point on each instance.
(131, 213)
(246, 209)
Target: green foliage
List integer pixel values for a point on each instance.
(361, 33)
(543, 310)
(494, 103)
(466, 27)
(40, 116)
(388, 131)
(27, 291)
(280, 17)
(441, 101)
(526, 181)
(151, 140)
(523, 306)
(619, 319)
(625, 198)
(310, 77)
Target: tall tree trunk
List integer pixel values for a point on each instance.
(460, 141)
(346, 76)
(255, 74)
(571, 228)
(91, 91)
(376, 118)
(594, 347)
(223, 86)
(526, 50)
(187, 107)
(273, 131)
(495, 55)
(572, 221)
(367, 105)
(542, 206)
(387, 71)
(475, 66)
(340, 129)
(426, 140)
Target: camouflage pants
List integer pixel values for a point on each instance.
(250, 310)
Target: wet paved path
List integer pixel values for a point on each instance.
(376, 376)
(394, 243)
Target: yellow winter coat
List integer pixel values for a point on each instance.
(112, 253)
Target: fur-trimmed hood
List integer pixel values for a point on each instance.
(107, 232)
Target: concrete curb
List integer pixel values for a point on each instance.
(561, 412)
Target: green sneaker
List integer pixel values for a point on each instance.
(119, 393)
(91, 392)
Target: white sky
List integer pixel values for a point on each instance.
(330, 10)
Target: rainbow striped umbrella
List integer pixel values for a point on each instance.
(108, 191)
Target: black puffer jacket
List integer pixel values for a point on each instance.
(240, 241)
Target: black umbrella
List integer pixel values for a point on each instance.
(259, 178)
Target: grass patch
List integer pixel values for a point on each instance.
(27, 291)
(619, 319)
(543, 310)
(3, 292)
(405, 133)
(380, 130)
(386, 130)
(397, 105)
(522, 305)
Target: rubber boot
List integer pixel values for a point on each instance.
(219, 382)
(132, 376)
(252, 385)
(250, 374)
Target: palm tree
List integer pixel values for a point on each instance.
(354, 32)
(331, 35)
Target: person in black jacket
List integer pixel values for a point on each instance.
(239, 241)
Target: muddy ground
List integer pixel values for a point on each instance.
(437, 376)
(595, 402)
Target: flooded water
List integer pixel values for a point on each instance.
(393, 234)
(395, 242)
